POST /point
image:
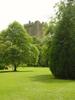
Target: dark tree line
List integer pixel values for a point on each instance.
(62, 53)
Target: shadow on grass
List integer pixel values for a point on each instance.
(6, 71)
(49, 79)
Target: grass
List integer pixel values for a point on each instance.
(34, 84)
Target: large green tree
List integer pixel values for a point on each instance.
(19, 48)
(62, 52)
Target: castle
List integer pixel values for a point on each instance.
(35, 28)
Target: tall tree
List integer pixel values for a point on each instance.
(62, 52)
(19, 49)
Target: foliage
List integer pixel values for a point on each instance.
(62, 62)
(3, 47)
(33, 56)
(51, 27)
(18, 46)
(43, 56)
(43, 49)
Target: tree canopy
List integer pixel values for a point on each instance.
(18, 45)
(62, 53)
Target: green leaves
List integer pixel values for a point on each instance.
(16, 46)
(62, 63)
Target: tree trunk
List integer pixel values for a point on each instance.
(15, 68)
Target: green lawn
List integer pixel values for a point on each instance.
(34, 84)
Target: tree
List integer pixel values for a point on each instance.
(3, 47)
(19, 48)
(13, 56)
(43, 56)
(62, 53)
(33, 56)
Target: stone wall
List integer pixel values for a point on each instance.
(35, 28)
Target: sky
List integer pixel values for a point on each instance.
(25, 10)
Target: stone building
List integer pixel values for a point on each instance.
(34, 28)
